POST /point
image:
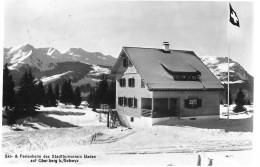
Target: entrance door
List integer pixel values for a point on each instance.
(174, 107)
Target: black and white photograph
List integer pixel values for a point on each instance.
(165, 83)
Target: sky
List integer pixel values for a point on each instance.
(101, 26)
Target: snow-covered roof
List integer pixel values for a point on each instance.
(151, 64)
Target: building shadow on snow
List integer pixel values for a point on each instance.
(234, 125)
(63, 113)
(44, 120)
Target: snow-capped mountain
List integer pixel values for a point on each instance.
(219, 66)
(41, 58)
(51, 66)
(239, 77)
(47, 58)
(97, 58)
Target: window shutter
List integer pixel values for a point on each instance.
(123, 82)
(199, 102)
(129, 102)
(133, 84)
(125, 101)
(135, 102)
(124, 62)
(118, 101)
(186, 103)
(120, 82)
(129, 82)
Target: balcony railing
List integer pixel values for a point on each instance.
(156, 114)
(146, 113)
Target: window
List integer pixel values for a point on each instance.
(135, 103)
(122, 82)
(186, 77)
(120, 101)
(194, 78)
(192, 103)
(142, 83)
(132, 102)
(127, 63)
(131, 82)
(132, 119)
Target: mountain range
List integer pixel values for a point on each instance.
(84, 68)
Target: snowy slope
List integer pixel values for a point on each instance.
(52, 78)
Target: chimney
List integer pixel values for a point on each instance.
(166, 47)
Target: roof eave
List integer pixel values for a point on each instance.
(186, 89)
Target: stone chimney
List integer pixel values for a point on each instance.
(166, 47)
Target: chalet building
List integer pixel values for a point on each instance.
(153, 85)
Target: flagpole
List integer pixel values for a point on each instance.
(228, 72)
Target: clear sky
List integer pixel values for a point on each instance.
(107, 26)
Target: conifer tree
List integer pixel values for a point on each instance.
(64, 93)
(8, 89)
(248, 102)
(70, 92)
(9, 101)
(40, 95)
(77, 97)
(26, 101)
(111, 94)
(91, 96)
(57, 92)
(50, 100)
(103, 93)
(240, 101)
(102, 90)
(67, 92)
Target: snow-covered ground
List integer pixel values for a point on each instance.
(68, 131)
(52, 78)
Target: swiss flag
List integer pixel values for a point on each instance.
(233, 16)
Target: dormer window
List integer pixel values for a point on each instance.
(127, 63)
(181, 75)
(186, 77)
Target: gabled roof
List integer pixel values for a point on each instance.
(151, 63)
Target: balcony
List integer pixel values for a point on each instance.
(157, 114)
(160, 107)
